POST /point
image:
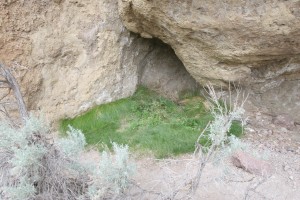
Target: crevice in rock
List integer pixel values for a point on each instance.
(162, 71)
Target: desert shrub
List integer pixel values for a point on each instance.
(112, 174)
(221, 143)
(35, 166)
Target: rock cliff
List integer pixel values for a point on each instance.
(252, 43)
(70, 55)
(73, 54)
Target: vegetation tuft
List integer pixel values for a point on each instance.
(147, 122)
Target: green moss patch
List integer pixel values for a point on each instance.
(147, 122)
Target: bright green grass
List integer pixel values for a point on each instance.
(146, 122)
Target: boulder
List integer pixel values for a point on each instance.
(251, 164)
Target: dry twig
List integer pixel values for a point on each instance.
(13, 85)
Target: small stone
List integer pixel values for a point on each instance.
(291, 177)
(249, 129)
(289, 148)
(251, 164)
(283, 130)
(272, 126)
(280, 138)
(286, 167)
(258, 113)
(278, 150)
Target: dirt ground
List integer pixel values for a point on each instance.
(227, 182)
(283, 184)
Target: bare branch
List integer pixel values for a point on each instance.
(13, 84)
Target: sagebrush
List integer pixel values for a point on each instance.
(33, 165)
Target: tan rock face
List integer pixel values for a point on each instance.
(254, 43)
(72, 54)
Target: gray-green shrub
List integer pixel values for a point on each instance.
(35, 166)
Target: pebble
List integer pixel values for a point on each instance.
(279, 139)
(288, 148)
(283, 130)
(286, 167)
(251, 130)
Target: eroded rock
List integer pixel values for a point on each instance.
(222, 41)
(73, 54)
(253, 43)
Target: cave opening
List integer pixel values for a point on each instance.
(162, 71)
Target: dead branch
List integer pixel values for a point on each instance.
(12, 83)
(252, 188)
